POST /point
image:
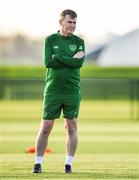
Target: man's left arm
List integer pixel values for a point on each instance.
(73, 62)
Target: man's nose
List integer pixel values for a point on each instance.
(73, 24)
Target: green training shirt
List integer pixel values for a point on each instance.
(63, 71)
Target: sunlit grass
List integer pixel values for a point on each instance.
(105, 151)
(90, 111)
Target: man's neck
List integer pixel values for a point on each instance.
(64, 34)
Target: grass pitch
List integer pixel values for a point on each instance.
(106, 150)
(90, 111)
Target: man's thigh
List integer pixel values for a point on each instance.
(52, 106)
(71, 106)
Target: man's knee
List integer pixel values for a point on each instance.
(46, 127)
(71, 126)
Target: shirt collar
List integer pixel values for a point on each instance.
(65, 37)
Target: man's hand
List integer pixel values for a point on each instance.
(79, 54)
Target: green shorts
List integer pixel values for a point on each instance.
(54, 104)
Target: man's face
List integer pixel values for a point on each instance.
(68, 25)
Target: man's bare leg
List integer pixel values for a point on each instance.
(72, 140)
(41, 143)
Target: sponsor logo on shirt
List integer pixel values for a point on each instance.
(72, 47)
(55, 47)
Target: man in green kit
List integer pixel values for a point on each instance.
(64, 56)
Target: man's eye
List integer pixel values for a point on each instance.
(70, 22)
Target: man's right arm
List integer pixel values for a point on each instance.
(49, 61)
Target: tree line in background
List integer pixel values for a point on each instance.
(20, 49)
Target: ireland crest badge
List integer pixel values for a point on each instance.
(72, 47)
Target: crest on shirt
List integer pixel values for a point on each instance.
(72, 47)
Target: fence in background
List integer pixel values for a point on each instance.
(92, 89)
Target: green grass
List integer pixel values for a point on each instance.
(90, 110)
(108, 142)
(87, 71)
(21, 72)
(105, 151)
(90, 71)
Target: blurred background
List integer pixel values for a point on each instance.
(110, 76)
